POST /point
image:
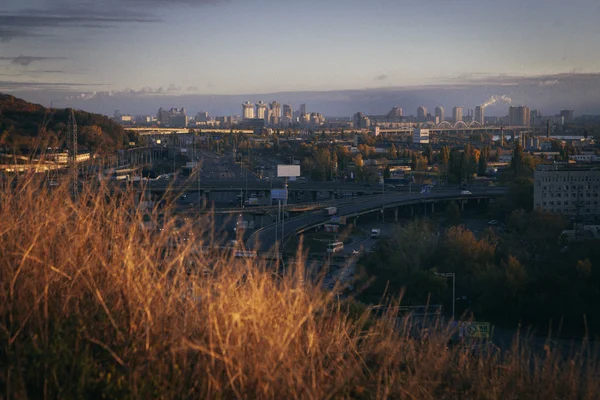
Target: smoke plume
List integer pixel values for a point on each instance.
(495, 98)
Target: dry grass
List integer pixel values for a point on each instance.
(93, 305)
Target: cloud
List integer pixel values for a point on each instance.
(24, 61)
(32, 85)
(82, 96)
(34, 23)
(145, 91)
(99, 14)
(381, 77)
(549, 83)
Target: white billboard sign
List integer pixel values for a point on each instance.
(286, 171)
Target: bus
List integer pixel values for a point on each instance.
(335, 247)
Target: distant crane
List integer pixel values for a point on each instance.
(72, 152)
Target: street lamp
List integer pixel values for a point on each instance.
(453, 276)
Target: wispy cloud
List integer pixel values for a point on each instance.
(549, 82)
(32, 85)
(24, 61)
(99, 14)
(145, 91)
(381, 77)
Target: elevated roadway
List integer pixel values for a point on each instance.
(263, 239)
(256, 185)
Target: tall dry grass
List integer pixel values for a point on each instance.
(94, 305)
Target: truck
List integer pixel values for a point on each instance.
(375, 233)
(330, 210)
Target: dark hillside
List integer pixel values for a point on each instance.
(22, 127)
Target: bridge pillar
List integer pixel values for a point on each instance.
(478, 201)
(314, 195)
(412, 211)
(462, 205)
(331, 195)
(432, 208)
(396, 214)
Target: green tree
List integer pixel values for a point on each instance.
(482, 165)
(387, 174)
(516, 164)
(428, 153)
(413, 162)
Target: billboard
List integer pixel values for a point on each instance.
(288, 170)
(278, 194)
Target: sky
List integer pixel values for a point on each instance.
(343, 55)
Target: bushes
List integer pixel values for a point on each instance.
(93, 305)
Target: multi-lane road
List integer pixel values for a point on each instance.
(264, 239)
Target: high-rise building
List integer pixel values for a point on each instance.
(261, 109)
(275, 112)
(288, 112)
(361, 121)
(439, 114)
(457, 114)
(302, 109)
(248, 110)
(178, 118)
(519, 116)
(202, 116)
(395, 114)
(421, 114)
(479, 117)
(162, 116)
(567, 115)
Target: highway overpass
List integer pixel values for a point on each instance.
(264, 239)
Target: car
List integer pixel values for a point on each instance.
(465, 192)
(355, 251)
(493, 222)
(53, 183)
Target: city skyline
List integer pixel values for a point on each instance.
(147, 48)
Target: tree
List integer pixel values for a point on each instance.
(413, 162)
(392, 152)
(516, 164)
(387, 174)
(482, 166)
(323, 163)
(445, 155)
(428, 153)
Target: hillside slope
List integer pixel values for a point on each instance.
(22, 127)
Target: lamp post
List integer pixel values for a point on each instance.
(453, 276)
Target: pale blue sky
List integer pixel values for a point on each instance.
(265, 46)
